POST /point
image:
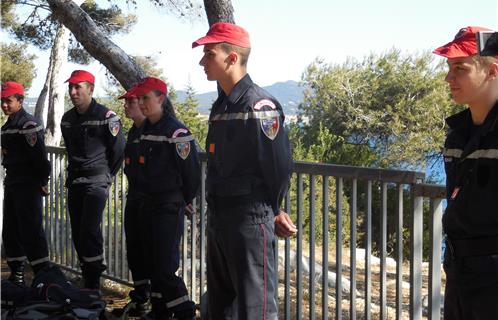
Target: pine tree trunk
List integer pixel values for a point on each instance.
(41, 109)
(219, 11)
(56, 87)
(84, 29)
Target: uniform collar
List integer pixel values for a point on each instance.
(91, 111)
(18, 115)
(240, 88)
(464, 118)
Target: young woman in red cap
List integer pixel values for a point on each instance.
(471, 163)
(168, 180)
(249, 167)
(135, 226)
(27, 171)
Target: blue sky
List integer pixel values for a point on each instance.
(288, 35)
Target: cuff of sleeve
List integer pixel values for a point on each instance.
(276, 209)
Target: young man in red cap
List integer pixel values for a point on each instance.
(168, 180)
(471, 163)
(27, 172)
(95, 144)
(249, 167)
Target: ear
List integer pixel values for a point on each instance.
(493, 71)
(161, 97)
(232, 58)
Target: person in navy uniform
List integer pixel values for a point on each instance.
(95, 144)
(248, 173)
(470, 221)
(168, 180)
(27, 172)
(135, 228)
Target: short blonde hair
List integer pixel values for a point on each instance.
(243, 52)
(485, 61)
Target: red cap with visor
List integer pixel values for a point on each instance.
(149, 84)
(10, 87)
(78, 76)
(464, 44)
(130, 93)
(225, 32)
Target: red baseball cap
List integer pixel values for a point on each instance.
(464, 44)
(10, 87)
(130, 93)
(149, 84)
(78, 76)
(225, 32)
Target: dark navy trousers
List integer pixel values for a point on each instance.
(137, 230)
(471, 291)
(23, 235)
(240, 261)
(86, 203)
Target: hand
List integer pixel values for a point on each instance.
(189, 211)
(44, 191)
(284, 226)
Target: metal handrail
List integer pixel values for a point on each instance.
(347, 196)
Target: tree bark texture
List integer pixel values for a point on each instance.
(219, 11)
(98, 45)
(57, 88)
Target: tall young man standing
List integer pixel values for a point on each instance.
(95, 144)
(471, 163)
(249, 167)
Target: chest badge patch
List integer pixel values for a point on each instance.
(114, 127)
(270, 127)
(183, 149)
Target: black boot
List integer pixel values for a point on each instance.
(184, 311)
(139, 301)
(158, 312)
(16, 272)
(91, 276)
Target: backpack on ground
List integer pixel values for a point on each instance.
(51, 297)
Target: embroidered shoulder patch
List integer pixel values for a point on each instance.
(183, 149)
(31, 138)
(270, 127)
(29, 123)
(265, 102)
(179, 131)
(109, 114)
(114, 126)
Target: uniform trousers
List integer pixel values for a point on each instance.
(471, 291)
(86, 202)
(168, 291)
(137, 230)
(241, 261)
(23, 234)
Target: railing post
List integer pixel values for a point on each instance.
(435, 259)
(416, 247)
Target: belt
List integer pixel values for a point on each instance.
(74, 174)
(472, 247)
(226, 202)
(158, 198)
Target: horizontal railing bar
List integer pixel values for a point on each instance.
(429, 190)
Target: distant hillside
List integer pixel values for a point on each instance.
(288, 93)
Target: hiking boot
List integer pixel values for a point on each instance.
(138, 309)
(16, 272)
(185, 314)
(155, 316)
